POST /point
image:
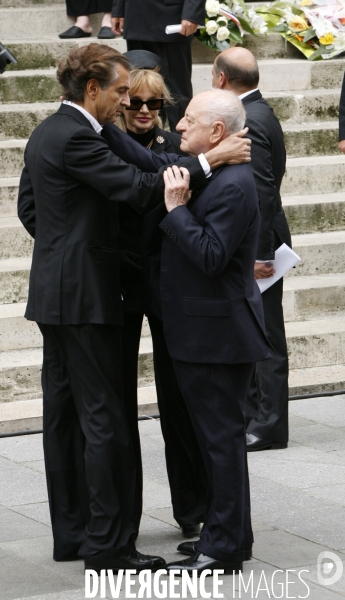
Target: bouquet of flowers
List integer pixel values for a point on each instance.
(315, 27)
(227, 22)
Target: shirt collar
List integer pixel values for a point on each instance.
(97, 127)
(247, 93)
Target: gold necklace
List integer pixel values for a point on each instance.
(150, 144)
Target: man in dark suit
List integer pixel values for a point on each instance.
(213, 320)
(143, 24)
(68, 196)
(267, 402)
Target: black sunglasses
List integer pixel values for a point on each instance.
(152, 104)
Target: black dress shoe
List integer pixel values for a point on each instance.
(201, 562)
(106, 33)
(134, 560)
(255, 443)
(191, 548)
(74, 32)
(189, 531)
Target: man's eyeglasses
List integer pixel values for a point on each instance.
(152, 104)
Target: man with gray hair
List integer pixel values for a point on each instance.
(213, 320)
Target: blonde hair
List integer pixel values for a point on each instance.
(140, 78)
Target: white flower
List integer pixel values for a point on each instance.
(222, 34)
(339, 41)
(211, 27)
(321, 25)
(237, 9)
(212, 8)
(222, 20)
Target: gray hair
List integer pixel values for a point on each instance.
(225, 106)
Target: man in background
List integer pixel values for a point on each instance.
(143, 24)
(266, 407)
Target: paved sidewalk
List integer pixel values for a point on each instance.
(298, 510)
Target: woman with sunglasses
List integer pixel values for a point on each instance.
(187, 476)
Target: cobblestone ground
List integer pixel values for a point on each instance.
(298, 510)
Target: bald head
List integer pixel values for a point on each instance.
(236, 69)
(210, 117)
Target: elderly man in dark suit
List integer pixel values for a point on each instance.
(213, 320)
(143, 24)
(267, 403)
(68, 196)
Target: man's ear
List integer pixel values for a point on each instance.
(217, 132)
(92, 88)
(222, 81)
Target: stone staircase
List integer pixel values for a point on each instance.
(305, 97)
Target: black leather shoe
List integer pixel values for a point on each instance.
(189, 531)
(255, 443)
(201, 562)
(191, 548)
(134, 560)
(106, 33)
(74, 32)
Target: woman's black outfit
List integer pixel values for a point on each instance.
(79, 8)
(185, 467)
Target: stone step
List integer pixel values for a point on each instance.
(26, 415)
(291, 98)
(316, 364)
(315, 380)
(16, 333)
(316, 343)
(305, 106)
(284, 75)
(19, 120)
(8, 195)
(307, 297)
(320, 253)
(15, 242)
(315, 212)
(21, 357)
(14, 280)
(311, 139)
(11, 159)
(314, 175)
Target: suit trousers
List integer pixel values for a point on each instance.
(266, 407)
(88, 454)
(215, 394)
(178, 73)
(185, 467)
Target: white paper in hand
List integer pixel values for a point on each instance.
(176, 28)
(285, 259)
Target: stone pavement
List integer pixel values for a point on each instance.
(298, 510)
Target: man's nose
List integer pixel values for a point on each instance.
(180, 125)
(125, 100)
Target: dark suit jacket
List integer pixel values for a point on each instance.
(268, 163)
(66, 201)
(211, 304)
(342, 113)
(146, 20)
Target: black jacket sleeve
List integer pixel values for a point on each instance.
(342, 113)
(26, 203)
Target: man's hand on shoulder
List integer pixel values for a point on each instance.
(177, 191)
(188, 27)
(117, 25)
(233, 150)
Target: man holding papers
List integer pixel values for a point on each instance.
(266, 408)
